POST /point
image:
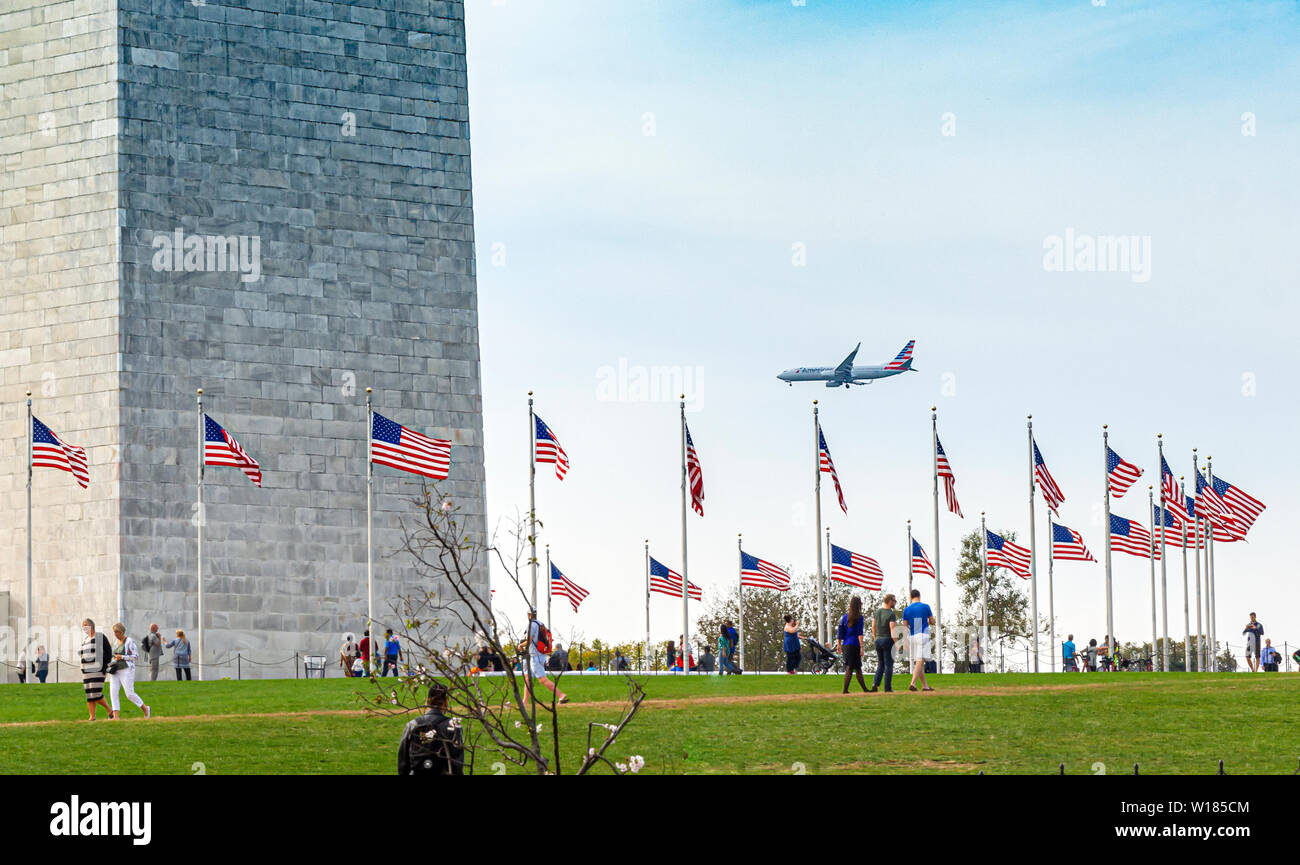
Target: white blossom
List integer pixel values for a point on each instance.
(621, 767)
(636, 763)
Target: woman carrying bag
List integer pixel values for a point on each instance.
(96, 655)
(122, 671)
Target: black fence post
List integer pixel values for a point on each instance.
(1062, 772)
(239, 667)
(295, 665)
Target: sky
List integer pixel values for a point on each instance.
(720, 191)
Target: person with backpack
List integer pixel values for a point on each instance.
(432, 744)
(733, 640)
(392, 651)
(724, 652)
(539, 650)
(152, 646)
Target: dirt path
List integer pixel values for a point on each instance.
(163, 719)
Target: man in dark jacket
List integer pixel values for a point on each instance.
(432, 743)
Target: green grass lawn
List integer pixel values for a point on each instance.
(1013, 723)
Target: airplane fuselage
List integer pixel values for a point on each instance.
(827, 373)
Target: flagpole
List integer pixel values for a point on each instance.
(1212, 581)
(647, 606)
(1105, 462)
(817, 533)
(686, 582)
(532, 504)
(741, 599)
(370, 524)
(1033, 548)
(27, 637)
(549, 621)
(938, 574)
(1187, 621)
(829, 630)
(984, 584)
(1200, 635)
(1164, 571)
(199, 552)
(1051, 595)
(909, 559)
(1151, 542)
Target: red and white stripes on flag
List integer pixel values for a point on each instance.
(921, 563)
(563, 587)
(1005, 554)
(762, 574)
(694, 476)
(1067, 545)
(1046, 483)
(1120, 473)
(666, 581)
(549, 450)
(50, 451)
(945, 474)
(1130, 536)
(828, 466)
(398, 447)
(856, 570)
(221, 449)
(1245, 507)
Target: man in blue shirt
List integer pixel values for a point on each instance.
(1067, 653)
(392, 649)
(919, 617)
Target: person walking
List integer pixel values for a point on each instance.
(364, 648)
(724, 651)
(974, 655)
(620, 661)
(733, 643)
(883, 627)
(919, 617)
(96, 655)
(152, 646)
(122, 671)
(22, 667)
(1254, 633)
(392, 652)
(1090, 656)
(42, 664)
(538, 649)
(180, 647)
(790, 643)
(849, 637)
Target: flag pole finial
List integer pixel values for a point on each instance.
(1105, 426)
(199, 391)
(530, 393)
(29, 393)
(1029, 417)
(1160, 435)
(369, 390)
(934, 408)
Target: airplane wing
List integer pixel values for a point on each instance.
(844, 372)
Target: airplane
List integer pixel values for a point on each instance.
(847, 374)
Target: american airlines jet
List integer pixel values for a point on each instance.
(847, 374)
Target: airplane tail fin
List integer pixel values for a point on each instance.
(904, 359)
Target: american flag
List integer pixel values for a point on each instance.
(904, 359)
(1067, 545)
(1245, 507)
(921, 563)
(861, 571)
(1051, 492)
(1169, 489)
(762, 574)
(1221, 535)
(392, 444)
(828, 467)
(666, 581)
(949, 481)
(695, 475)
(221, 449)
(1211, 506)
(1004, 553)
(549, 449)
(50, 451)
(1120, 474)
(562, 586)
(1129, 536)
(1173, 527)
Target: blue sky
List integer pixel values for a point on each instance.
(822, 125)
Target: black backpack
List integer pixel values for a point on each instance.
(434, 748)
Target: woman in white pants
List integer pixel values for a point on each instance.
(122, 673)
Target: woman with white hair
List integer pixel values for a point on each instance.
(122, 671)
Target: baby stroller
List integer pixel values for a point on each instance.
(823, 659)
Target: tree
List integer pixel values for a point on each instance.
(499, 716)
